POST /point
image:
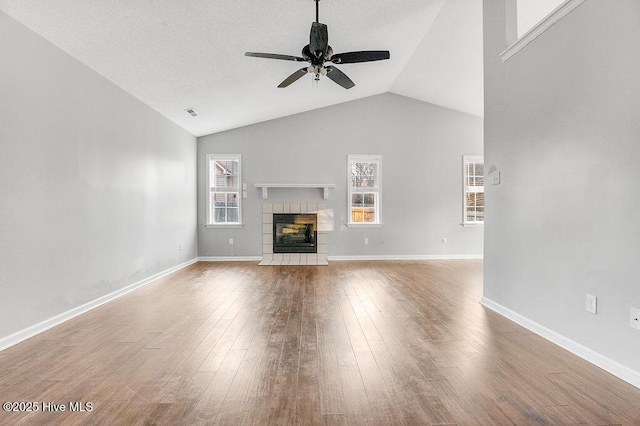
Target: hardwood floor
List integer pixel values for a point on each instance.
(352, 343)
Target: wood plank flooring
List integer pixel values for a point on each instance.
(353, 343)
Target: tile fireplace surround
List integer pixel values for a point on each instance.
(271, 258)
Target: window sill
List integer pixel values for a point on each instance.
(473, 225)
(219, 225)
(364, 225)
(542, 26)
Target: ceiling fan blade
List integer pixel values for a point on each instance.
(294, 77)
(319, 39)
(275, 56)
(363, 56)
(339, 77)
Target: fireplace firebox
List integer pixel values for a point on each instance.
(295, 233)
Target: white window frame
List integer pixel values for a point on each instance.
(469, 159)
(515, 43)
(353, 158)
(210, 190)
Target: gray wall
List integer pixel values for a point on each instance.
(97, 190)
(562, 124)
(421, 146)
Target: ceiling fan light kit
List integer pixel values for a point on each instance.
(317, 52)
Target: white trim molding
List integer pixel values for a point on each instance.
(45, 325)
(607, 364)
(560, 12)
(230, 259)
(410, 257)
(356, 257)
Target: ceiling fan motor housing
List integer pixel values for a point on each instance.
(318, 51)
(306, 54)
(319, 40)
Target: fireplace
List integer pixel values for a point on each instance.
(312, 252)
(295, 232)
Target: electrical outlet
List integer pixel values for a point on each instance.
(366, 241)
(230, 241)
(180, 246)
(635, 318)
(592, 304)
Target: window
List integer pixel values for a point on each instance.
(531, 12)
(364, 189)
(223, 197)
(525, 20)
(473, 190)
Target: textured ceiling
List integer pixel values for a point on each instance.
(175, 55)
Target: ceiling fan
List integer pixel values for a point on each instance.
(318, 51)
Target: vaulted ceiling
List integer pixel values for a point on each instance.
(174, 55)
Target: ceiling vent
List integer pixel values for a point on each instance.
(192, 112)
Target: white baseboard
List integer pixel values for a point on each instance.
(230, 259)
(409, 257)
(45, 325)
(619, 370)
(374, 257)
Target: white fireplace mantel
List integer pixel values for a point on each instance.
(265, 187)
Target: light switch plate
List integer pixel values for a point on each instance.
(634, 321)
(592, 303)
(495, 177)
